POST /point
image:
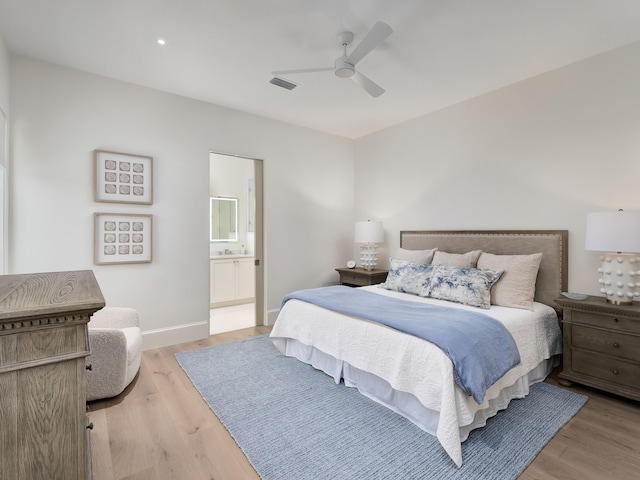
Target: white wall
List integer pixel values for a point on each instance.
(4, 153)
(59, 116)
(4, 77)
(539, 154)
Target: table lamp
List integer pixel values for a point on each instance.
(618, 234)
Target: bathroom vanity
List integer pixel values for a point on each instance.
(232, 279)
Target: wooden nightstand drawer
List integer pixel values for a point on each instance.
(609, 369)
(611, 322)
(606, 341)
(352, 279)
(359, 277)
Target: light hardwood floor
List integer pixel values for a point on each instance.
(161, 429)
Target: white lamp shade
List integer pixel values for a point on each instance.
(369, 232)
(613, 231)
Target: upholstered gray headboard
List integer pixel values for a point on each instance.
(553, 244)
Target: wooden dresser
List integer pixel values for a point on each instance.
(43, 345)
(601, 345)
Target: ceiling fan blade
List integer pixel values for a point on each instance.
(303, 70)
(370, 86)
(378, 34)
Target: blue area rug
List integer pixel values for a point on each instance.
(294, 423)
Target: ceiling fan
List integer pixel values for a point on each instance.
(344, 66)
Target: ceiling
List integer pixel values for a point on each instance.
(223, 51)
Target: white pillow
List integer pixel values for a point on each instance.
(464, 260)
(416, 256)
(517, 286)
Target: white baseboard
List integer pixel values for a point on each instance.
(271, 316)
(163, 337)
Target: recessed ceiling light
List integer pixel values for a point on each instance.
(161, 41)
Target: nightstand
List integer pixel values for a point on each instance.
(601, 345)
(359, 277)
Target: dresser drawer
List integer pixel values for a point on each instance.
(611, 322)
(607, 368)
(610, 342)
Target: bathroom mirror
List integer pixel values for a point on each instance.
(224, 219)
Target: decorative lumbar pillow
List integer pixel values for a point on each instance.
(517, 286)
(416, 256)
(408, 277)
(469, 286)
(465, 260)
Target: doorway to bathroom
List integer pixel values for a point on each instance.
(235, 243)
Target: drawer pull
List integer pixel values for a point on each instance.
(90, 426)
(615, 320)
(616, 345)
(89, 367)
(614, 371)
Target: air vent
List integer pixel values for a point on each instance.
(283, 83)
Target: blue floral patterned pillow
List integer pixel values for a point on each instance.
(469, 286)
(408, 277)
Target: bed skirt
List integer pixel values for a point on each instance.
(405, 403)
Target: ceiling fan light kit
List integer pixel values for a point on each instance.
(345, 65)
(344, 69)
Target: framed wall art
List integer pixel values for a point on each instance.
(122, 238)
(123, 178)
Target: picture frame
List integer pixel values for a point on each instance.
(123, 177)
(122, 238)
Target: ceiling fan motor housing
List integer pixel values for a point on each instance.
(344, 69)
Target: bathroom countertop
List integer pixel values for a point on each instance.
(230, 255)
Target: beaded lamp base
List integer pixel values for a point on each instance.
(368, 256)
(620, 277)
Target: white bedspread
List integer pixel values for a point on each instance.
(415, 366)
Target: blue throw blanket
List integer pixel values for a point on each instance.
(481, 349)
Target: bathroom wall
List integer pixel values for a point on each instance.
(230, 176)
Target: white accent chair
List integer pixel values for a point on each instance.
(115, 340)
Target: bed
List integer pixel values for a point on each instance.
(413, 376)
